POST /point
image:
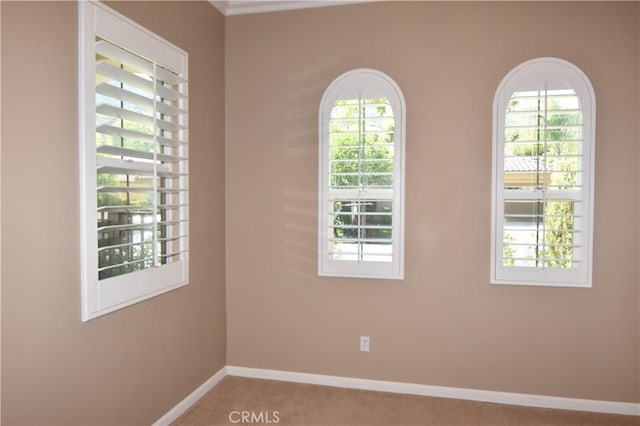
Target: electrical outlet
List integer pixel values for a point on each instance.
(365, 343)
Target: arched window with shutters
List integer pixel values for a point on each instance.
(361, 194)
(543, 176)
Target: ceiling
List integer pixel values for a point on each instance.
(240, 7)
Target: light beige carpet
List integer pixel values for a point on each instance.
(266, 402)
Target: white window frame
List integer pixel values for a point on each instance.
(100, 297)
(558, 73)
(354, 84)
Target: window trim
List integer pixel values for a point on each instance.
(536, 70)
(353, 83)
(97, 297)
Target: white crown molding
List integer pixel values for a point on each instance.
(220, 5)
(243, 7)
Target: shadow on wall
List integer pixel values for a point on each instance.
(300, 186)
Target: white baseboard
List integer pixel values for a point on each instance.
(191, 399)
(528, 400)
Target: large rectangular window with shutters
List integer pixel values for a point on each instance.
(134, 162)
(361, 233)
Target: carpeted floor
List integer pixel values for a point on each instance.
(242, 401)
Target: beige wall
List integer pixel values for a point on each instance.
(444, 324)
(132, 366)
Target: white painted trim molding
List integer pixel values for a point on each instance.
(527, 400)
(191, 399)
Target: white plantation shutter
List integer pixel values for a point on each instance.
(361, 185)
(362, 175)
(543, 176)
(134, 153)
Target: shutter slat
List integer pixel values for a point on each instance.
(363, 174)
(169, 77)
(535, 141)
(129, 189)
(117, 246)
(541, 229)
(135, 226)
(537, 216)
(123, 95)
(132, 134)
(542, 259)
(542, 157)
(535, 112)
(117, 166)
(169, 223)
(365, 132)
(362, 240)
(130, 226)
(169, 94)
(367, 120)
(138, 209)
(124, 133)
(133, 209)
(125, 114)
(122, 56)
(105, 69)
(173, 253)
(167, 239)
(365, 227)
(171, 206)
(346, 213)
(506, 243)
(123, 264)
(138, 190)
(359, 160)
(525, 195)
(114, 73)
(111, 51)
(132, 153)
(137, 117)
(541, 127)
(533, 187)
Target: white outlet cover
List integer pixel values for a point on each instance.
(365, 343)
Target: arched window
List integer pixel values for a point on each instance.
(543, 176)
(361, 194)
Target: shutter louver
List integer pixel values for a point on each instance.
(141, 162)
